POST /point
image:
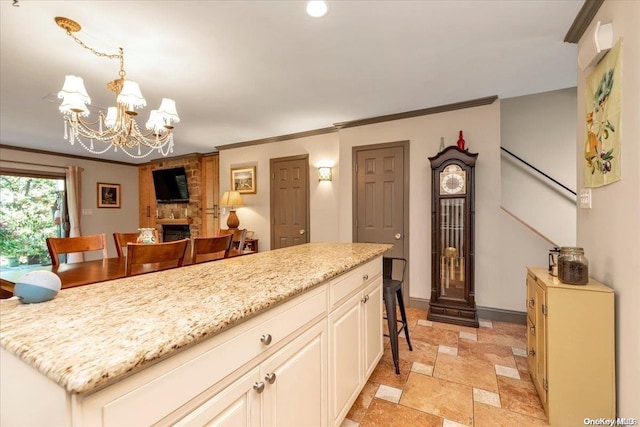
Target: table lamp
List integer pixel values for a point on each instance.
(232, 199)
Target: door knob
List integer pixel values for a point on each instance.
(398, 236)
(302, 231)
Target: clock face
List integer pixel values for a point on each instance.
(452, 180)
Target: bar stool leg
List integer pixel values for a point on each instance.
(390, 305)
(403, 315)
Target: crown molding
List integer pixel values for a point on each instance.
(422, 112)
(582, 20)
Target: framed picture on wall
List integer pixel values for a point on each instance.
(243, 180)
(108, 195)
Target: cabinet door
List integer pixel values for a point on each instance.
(236, 406)
(372, 323)
(345, 356)
(210, 195)
(147, 198)
(295, 382)
(541, 342)
(532, 359)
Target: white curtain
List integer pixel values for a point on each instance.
(74, 201)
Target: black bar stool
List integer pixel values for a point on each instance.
(392, 292)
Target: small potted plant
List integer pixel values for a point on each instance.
(9, 246)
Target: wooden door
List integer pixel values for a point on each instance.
(147, 197)
(289, 201)
(380, 196)
(210, 195)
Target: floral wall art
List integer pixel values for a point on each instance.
(602, 98)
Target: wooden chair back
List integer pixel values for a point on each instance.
(239, 235)
(210, 248)
(67, 245)
(121, 240)
(171, 254)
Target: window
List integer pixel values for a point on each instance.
(32, 208)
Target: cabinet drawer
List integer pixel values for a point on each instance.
(348, 283)
(121, 404)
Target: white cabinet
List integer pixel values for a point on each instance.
(302, 362)
(235, 406)
(571, 354)
(355, 337)
(271, 394)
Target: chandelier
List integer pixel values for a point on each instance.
(118, 128)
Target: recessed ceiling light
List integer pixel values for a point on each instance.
(316, 8)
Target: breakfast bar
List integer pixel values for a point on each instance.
(285, 335)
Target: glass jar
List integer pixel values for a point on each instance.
(573, 266)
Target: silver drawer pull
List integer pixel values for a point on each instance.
(270, 377)
(365, 277)
(532, 352)
(258, 387)
(266, 339)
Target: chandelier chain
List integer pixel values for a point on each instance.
(119, 55)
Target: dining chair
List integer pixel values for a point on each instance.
(66, 245)
(239, 235)
(210, 248)
(121, 240)
(170, 254)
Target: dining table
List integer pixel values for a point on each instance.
(92, 271)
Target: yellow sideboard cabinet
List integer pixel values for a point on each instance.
(571, 347)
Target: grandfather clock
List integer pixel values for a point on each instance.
(452, 237)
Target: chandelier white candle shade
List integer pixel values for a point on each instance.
(118, 129)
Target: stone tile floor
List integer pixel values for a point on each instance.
(455, 376)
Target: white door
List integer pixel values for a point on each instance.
(295, 382)
(372, 324)
(345, 358)
(236, 406)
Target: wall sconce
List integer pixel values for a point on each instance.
(324, 173)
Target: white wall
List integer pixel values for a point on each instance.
(255, 215)
(499, 277)
(503, 246)
(610, 231)
(540, 129)
(101, 220)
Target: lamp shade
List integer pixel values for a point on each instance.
(74, 85)
(231, 198)
(168, 111)
(131, 96)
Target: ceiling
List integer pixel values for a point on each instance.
(246, 70)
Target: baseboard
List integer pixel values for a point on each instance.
(419, 303)
(502, 315)
(488, 313)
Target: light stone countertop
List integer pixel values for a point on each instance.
(91, 335)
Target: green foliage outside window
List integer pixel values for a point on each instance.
(27, 208)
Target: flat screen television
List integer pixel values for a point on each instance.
(171, 185)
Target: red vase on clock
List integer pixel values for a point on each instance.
(461, 141)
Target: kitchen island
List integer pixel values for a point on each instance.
(231, 339)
